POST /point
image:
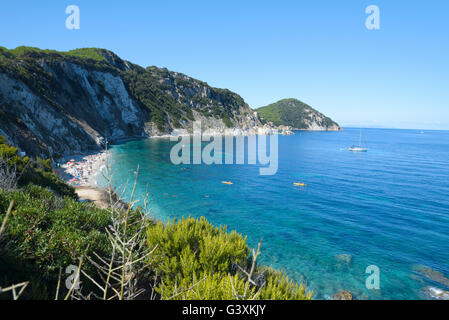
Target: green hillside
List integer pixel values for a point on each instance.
(297, 114)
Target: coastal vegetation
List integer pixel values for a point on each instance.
(17, 171)
(83, 53)
(119, 252)
(46, 233)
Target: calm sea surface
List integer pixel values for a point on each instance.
(388, 207)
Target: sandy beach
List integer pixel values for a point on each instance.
(81, 171)
(93, 194)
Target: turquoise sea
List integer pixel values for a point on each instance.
(387, 207)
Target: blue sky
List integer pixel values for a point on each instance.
(318, 51)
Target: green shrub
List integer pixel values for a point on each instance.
(192, 253)
(227, 121)
(217, 286)
(279, 287)
(36, 171)
(193, 247)
(45, 233)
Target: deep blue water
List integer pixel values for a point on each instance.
(388, 207)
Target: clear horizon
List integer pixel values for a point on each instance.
(320, 53)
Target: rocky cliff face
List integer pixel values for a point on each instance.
(60, 103)
(72, 113)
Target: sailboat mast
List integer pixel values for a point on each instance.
(360, 138)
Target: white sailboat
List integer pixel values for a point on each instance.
(358, 148)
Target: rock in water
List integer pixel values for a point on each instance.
(342, 295)
(344, 257)
(433, 275)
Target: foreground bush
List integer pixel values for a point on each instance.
(24, 171)
(45, 233)
(198, 261)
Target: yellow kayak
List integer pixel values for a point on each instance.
(227, 182)
(300, 184)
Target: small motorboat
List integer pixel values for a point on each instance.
(299, 184)
(227, 182)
